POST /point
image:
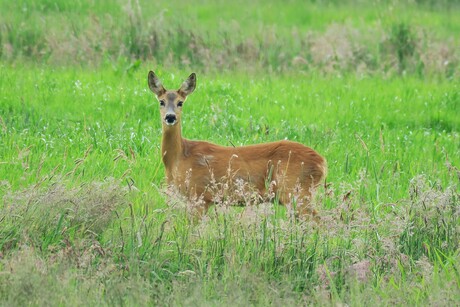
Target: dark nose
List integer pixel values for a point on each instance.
(170, 118)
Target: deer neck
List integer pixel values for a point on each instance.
(172, 147)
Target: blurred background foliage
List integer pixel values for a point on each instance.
(363, 37)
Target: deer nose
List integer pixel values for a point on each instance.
(170, 119)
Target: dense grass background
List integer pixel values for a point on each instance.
(85, 218)
(363, 37)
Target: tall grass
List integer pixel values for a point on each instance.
(84, 208)
(332, 38)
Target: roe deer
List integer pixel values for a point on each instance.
(287, 168)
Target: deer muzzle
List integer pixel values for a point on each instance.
(170, 119)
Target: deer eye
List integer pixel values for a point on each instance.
(162, 103)
(179, 104)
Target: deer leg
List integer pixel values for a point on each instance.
(304, 210)
(199, 208)
(300, 205)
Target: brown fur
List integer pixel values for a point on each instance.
(191, 166)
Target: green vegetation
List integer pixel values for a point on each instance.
(378, 38)
(84, 215)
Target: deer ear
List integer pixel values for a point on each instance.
(155, 84)
(189, 85)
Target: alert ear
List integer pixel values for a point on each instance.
(155, 84)
(188, 86)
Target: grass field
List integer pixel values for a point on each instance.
(85, 217)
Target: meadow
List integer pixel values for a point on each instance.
(86, 218)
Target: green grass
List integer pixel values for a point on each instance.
(81, 173)
(69, 111)
(323, 36)
(86, 219)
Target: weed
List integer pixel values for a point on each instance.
(138, 32)
(403, 42)
(43, 217)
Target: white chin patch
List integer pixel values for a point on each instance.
(170, 124)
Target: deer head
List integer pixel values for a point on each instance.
(171, 101)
